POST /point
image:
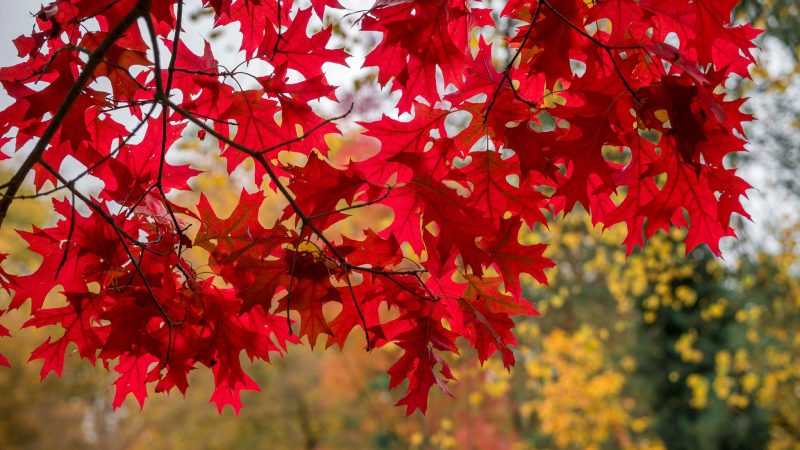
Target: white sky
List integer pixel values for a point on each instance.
(16, 19)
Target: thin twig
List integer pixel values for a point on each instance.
(141, 8)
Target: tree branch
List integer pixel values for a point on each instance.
(96, 58)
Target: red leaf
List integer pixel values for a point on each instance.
(133, 377)
(615, 105)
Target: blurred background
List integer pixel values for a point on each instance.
(652, 351)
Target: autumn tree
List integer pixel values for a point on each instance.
(692, 356)
(615, 105)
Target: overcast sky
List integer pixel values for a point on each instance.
(15, 20)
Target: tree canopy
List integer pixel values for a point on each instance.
(615, 105)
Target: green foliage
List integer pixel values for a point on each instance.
(685, 351)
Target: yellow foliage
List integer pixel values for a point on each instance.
(685, 347)
(579, 403)
(699, 386)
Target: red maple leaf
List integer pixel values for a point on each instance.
(613, 105)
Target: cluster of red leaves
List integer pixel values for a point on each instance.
(616, 104)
